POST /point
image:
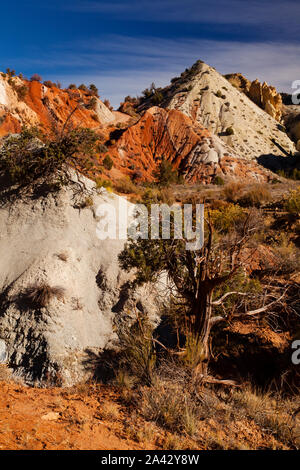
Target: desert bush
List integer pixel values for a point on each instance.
(138, 354)
(92, 104)
(124, 379)
(193, 354)
(48, 83)
(169, 406)
(40, 295)
(226, 217)
(106, 102)
(87, 202)
(101, 183)
(110, 411)
(136, 175)
(157, 97)
(286, 256)
(166, 196)
(233, 191)
(10, 73)
(218, 181)
(36, 78)
(271, 413)
(229, 131)
(219, 94)
(108, 162)
(126, 186)
(166, 174)
(83, 87)
(94, 90)
(22, 91)
(292, 204)
(26, 159)
(257, 195)
(102, 148)
(72, 86)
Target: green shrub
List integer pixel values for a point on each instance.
(219, 94)
(224, 218)
(126, 186)
(218, 181)
(229, 131)
(92, 104)
(157, 98)
(10, 73)
(292, 204)
(22, 91)
(108, 162)
(100, 183)
(166, 174)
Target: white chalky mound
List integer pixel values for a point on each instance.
(53, 240)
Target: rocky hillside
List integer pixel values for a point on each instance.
(31, 103)
(199, 154)
(211, 100)
(203, 123)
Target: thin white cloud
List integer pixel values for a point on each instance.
(274, 12)
(126, 66)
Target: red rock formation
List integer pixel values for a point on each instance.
(190, 147)
(44, 106)
(136, 147)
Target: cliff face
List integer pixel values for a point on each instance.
(31, 103)
(267, 98)
(262, 94)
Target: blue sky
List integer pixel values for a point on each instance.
(122, 46)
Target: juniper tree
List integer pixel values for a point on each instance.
(195, 277)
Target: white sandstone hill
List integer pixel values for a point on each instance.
(52, 241)
(208, 98)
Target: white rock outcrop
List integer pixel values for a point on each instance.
(52, 240)
(208, 98)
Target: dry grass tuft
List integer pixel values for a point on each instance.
(233, 191)
(40, 295)
(110, 411)
(256, 196)
(63, 256)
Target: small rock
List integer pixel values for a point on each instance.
(51, 416)
(3, 352)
